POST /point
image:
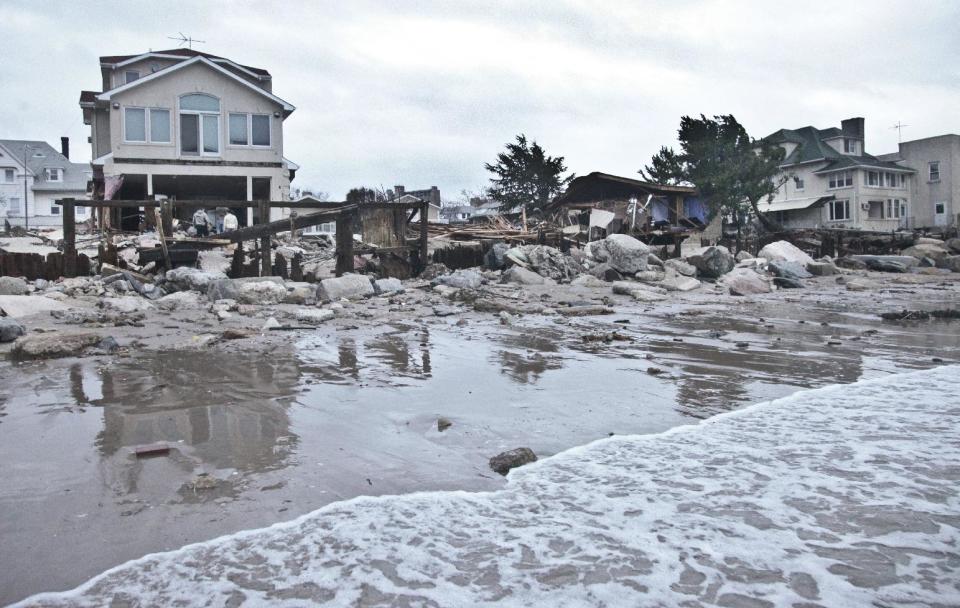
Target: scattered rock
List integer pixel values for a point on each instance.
(789, 270)
(314, 316)
(522, 276)
(860, 285)
(301, 294)
(61, 344)
(650, 276)
(185, 278)
(496, 259)
(927, 250)
(389, 285)
(235, 334)
(622, 252)
(953, 245)
(10, 329)
(711, 262)
(784, 251)
(951, 263)
(432, 271)
(460, 279)
(677, 282)
(261, 293)
(443, 424)
(653, 260)
(742, 255)
(744, 282)
(270, 324)
(503, 463)
(125, 304)
(639, 291)
(588, 280)
(787, 283)
(680, 267)
(349, 286)
(179, 300)
(606, 273)
(13, 286)
(229, 289)
(822, 269)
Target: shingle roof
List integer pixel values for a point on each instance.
(42, 155)
(187, 53)
(88, 96)
(846, 161)
(811, 147)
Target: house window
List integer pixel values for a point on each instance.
(935, 171)
(873, 178)
(940, 208)
(894, 208)
(134, 124)
(798, 184)
(249, 129)
(850, 146)
(839, 210)
(841, 179)
(199, 125)
(54, 174)
(160, 126)
(14, 208)
(238, 130)
(54, 209)
(130, 75)
(9, 175)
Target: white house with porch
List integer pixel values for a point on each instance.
(33, 175)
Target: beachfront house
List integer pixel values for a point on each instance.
(33, 175)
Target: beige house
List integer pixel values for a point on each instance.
(830, 181)
(187, 125)
(935, 189)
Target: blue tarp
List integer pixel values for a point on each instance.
(695, 208)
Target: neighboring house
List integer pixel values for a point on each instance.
(327, 228)
(187, 125)
(50, 176)
(430, 195)
(935, 189)
(830, 181)
(478, 209)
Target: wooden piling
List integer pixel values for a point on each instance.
(265, 265)
(424, 237)
(69, 238)
(344, 243)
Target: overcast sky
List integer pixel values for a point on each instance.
(423, 93)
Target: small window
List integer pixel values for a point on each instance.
(9, 175)
(130, 75)
(238, 130)
(850, 146)
(798, 183)
(260, 130)
(14, 207)
(935, 171)
(54, 175)
(839, 210)
(200, 103)
(54, 209)
(160, 126)
(134, 124)
(940, 208)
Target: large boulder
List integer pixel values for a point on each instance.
(502, 463)
(461, 279)
(711, 262)
(349, 286)
(680, 267)
(927, 250)
(622, 252)
(953, 245)
(61, 344)
(550, 262)
(179, 300)
(496, 259)
(789, 270)
(229, 289)
(185, 278)
(261, 293)
(783, 251)
(10, 329)
(951, 263)
(745, 282)
(13, 286)
(522, 276)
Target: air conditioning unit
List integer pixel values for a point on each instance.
(865, 206)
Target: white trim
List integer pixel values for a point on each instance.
(184, 58)
(200, 114)
(106, 95)
(99, 161)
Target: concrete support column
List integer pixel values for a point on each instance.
(249, 198)
(149, 185)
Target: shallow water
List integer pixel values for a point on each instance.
(337, 415)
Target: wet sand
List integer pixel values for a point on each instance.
(291, 421)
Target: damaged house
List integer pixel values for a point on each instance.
(186, 125)
(829, 181)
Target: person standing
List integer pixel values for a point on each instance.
(201, 223)
(230, 222)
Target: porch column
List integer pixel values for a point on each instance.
(150, 185)
(249, 198)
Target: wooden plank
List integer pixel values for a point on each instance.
(301, 221)
(265, 267)
(344, 243)
(163, 241)
(424, 235)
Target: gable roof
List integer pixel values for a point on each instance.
(812, 147)
(40, 156)
(106, 95)
(119, 60)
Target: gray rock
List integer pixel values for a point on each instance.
(822, 269)
(744, 282)
(349, 286)
(522, 276)
(639, 291)
(50, 346)
(432, 271)
(496, 259)
(125, 304)
(13, 286)
(229, 289)
(10, 329)
(261, 293)
(678, 282)
(461, 279)
(711, 262)
(927, 250)
(743, 255)
(185, 278)
(390, 285)
(653, 260)
(789, 270)
(41, 283)
(301, 294)
(878, 261)
(787, 283)
(951, 263)
(883, 265)
(502, 463)
(179, 300)
(587, 280)
(314, 316)
(622, 252)
(680, 267)
(650, 276)
(784, 251)
(953, 245)
(605, 272)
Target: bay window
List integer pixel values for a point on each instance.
(199, 125)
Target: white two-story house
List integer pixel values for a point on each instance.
(33, 175)
(187, 125)
(830, 181)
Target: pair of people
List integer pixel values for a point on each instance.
(226, 222)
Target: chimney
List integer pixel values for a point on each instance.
(853, 127)
(65, 147)
(399, 190)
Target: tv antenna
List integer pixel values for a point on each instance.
(185, 40)
(899, 127)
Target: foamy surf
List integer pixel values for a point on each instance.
(843, 496)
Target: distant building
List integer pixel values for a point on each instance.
(478, 209)
(50, 176)
(935, 189)
(430, 195)
(830, 181)
(187, 125)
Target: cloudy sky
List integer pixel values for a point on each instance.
(423, 93)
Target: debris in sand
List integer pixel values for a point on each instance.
(151, 449)
(443, 424)
(920, 315)
(502, 463)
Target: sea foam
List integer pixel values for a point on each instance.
(842, 496)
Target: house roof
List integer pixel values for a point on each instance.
(812, 147)
(177, 53)
(598, 186)
(106, 95)
(88, 97)
(40, 156)
(794, 204)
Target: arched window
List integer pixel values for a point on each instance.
(199, 125)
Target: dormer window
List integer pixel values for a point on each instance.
(850, 146)
(54, 174)
(798, 184)
(130, 75)
(199, 125)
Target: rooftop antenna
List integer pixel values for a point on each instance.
(186, 40)
(899, 127)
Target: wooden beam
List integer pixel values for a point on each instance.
(345, 243)
(301, 221)
(69, 239)
(265, 265)
(424, 236)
